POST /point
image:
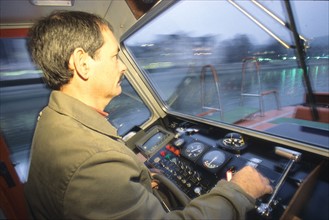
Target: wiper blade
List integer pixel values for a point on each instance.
(262, 26)
(275, 17)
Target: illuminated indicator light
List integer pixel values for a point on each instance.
(229, 175)
(168, 156)
(170, 148)
(163, 153)
(177, 152)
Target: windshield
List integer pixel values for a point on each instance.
(233, 61)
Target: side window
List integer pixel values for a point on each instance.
(22, 96)
(127, 110)
(15, 62)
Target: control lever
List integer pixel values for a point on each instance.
(265, 208)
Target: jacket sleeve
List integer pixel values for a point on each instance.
(111, 185)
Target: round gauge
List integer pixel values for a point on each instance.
(213, 159)
(194, 149)
(233, 141)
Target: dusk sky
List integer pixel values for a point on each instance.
(222, 19)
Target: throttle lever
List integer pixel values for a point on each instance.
(265, 208)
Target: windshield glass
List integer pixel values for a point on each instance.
(234, 61)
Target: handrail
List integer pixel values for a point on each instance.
(216, 81)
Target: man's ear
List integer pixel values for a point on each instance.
(79, 63)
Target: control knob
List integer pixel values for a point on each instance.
(197, 190)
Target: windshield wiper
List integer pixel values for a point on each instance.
(260, 24)
(279, 20)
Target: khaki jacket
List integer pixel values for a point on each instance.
(81, 169)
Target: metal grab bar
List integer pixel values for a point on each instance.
(217, 85)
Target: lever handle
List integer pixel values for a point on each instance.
(290, 154)
(293, 156)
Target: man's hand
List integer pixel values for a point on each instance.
(154, 182)
(252, 182)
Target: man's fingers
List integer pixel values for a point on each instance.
(269, 189)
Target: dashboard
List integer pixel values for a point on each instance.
(194, 158)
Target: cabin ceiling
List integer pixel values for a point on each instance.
(26, 12)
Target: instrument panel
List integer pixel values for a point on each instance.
(195, 162)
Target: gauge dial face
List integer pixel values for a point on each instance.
(213, 159)
(194, 149)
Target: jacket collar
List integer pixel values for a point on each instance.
(67, 105)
